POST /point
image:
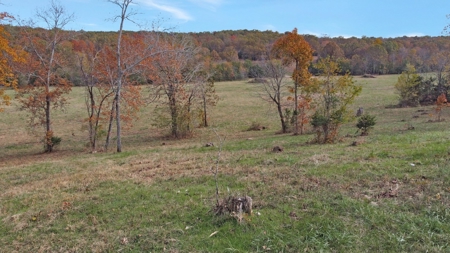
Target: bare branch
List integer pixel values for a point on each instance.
(216, 164)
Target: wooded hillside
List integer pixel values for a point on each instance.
(235, 54)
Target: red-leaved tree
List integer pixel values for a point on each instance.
(46, 86)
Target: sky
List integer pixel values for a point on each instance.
(333, 18)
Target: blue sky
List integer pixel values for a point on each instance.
(372, 18)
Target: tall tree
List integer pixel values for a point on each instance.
(124, 15)
(293, 48)
(128, 58)
(275, 89)
(48, 87)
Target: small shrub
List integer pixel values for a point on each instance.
(258, 80)
(365, 123)
(56, 141)
(53, 141)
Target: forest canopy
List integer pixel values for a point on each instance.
(235, 54)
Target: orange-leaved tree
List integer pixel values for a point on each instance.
(98, 64)
(9, 56)
(293, 48)
(46, 86)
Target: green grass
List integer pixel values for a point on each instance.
(389, 193)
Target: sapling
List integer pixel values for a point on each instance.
(365, 123)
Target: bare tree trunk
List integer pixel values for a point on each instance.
(282, 119)
(205, 115)
(296, 102)
(302, 125)
(119, 141)
(174, 117)
(90, 103)
(48, 128)
(111, 118)
(296, 109)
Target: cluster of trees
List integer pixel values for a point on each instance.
(43, 64)
(415, 89)
(321, 101)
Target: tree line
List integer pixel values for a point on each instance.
(236, 54)
(366, 55)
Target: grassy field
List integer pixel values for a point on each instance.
(389, 193)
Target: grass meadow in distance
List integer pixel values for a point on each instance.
(389, 193)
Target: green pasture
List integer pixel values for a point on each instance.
(385, 192)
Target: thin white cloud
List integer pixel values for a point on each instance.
(166, 7)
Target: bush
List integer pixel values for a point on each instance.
(55, 141)
(365, 123)
(407, 87)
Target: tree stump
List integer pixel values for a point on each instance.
(236, 206)
(277, 149)
(360, 112)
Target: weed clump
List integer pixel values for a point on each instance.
(256, 126)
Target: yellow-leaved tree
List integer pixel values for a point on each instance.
(333, 94)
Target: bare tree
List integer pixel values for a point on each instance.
(207, 94)
(275, 89)
(91, 61)
(176, 70)
(128, 57)
(48, 87)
